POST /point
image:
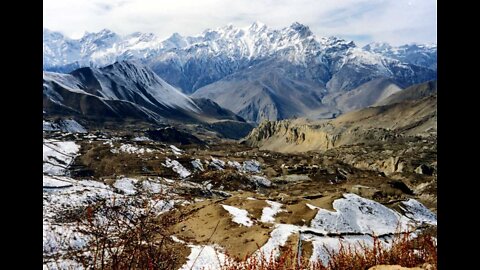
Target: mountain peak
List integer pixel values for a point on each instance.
(54, 34)
(228, 27)
(377, 46)
(302, 29)
(257, 25)
(127, 65)
(336, 43)
(176, 35)
(104, 33)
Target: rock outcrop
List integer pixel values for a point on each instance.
(411, 118)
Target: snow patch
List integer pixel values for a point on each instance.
(251, 166)
(234, 164)
(278, 238)
(176, 151)
(268, 213)
(260, 181)
(153, 187)
(240, 216)
(312, 207)
(355, 214)
(197, 165)
(126, 185)
(323, 246)
(131, 149)
(58, 155)
(65, 125)
(418, 212)
(177, 240)
(204, 258)
(55, 182)
(141, 139)
(218, 164)
(177, 167)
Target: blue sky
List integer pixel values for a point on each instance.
(394, 21)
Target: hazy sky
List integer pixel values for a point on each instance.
(394, 21)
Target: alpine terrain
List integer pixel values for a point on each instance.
(238, 148)
(257, 64)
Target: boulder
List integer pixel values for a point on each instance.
(424, 169)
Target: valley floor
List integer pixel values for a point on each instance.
(107, 195)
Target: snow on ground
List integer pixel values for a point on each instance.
(62, 265)
(65, 125)
(251, 166)
(64, 198)
(170, 181)
(177, 167)
(177, 240)
(141, 139)
(312, 207)
(248, 166)
(131, 149)
(154, 187)
(55, 181)
(48, 126)
(162, 206)
(61, 235)
(126, 185)
(110, 143)
(176, 151)
(218, 164)
(240, 216)
(278, 238)
(355, 214)
(81, 193)
(58, 155)
(58, 237)
(323, 245)
(268, 213)
(204, 258)
(197, 165)
(234, 164)
(260, 180)
(418, 212)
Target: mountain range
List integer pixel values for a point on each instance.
(126, 91)
(256, 72)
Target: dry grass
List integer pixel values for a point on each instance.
(404, 251)
(126, 239)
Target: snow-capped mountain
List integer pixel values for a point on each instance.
(193, 62)
(424, 55)
(256, 57)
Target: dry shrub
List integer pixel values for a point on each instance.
(404, 251)
(124, 238)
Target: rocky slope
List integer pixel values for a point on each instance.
(413, 92)
(383, 123)
(268, 91)
(367, 94)
(126, 91)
